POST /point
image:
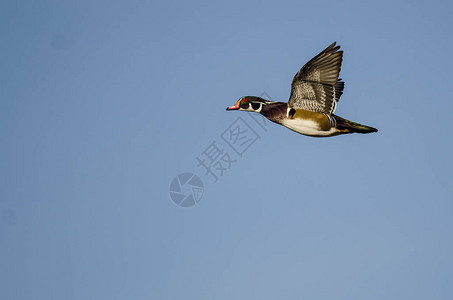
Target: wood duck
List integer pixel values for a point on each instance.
(315, 91)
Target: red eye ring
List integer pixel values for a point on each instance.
(244, 100)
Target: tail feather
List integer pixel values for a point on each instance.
(350, 126)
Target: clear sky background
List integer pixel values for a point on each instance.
(103, 103)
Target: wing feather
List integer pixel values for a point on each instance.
(316, 86)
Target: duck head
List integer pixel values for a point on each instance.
(249, 103)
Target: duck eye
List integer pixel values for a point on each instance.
(244, 100)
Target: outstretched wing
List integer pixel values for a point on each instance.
(316, 86)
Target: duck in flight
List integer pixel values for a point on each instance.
(315, 91)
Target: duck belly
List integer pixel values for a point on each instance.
(308, 127)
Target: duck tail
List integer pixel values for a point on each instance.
(349, 126)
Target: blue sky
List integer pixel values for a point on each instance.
(105, 102)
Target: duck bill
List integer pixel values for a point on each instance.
(234, 107)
